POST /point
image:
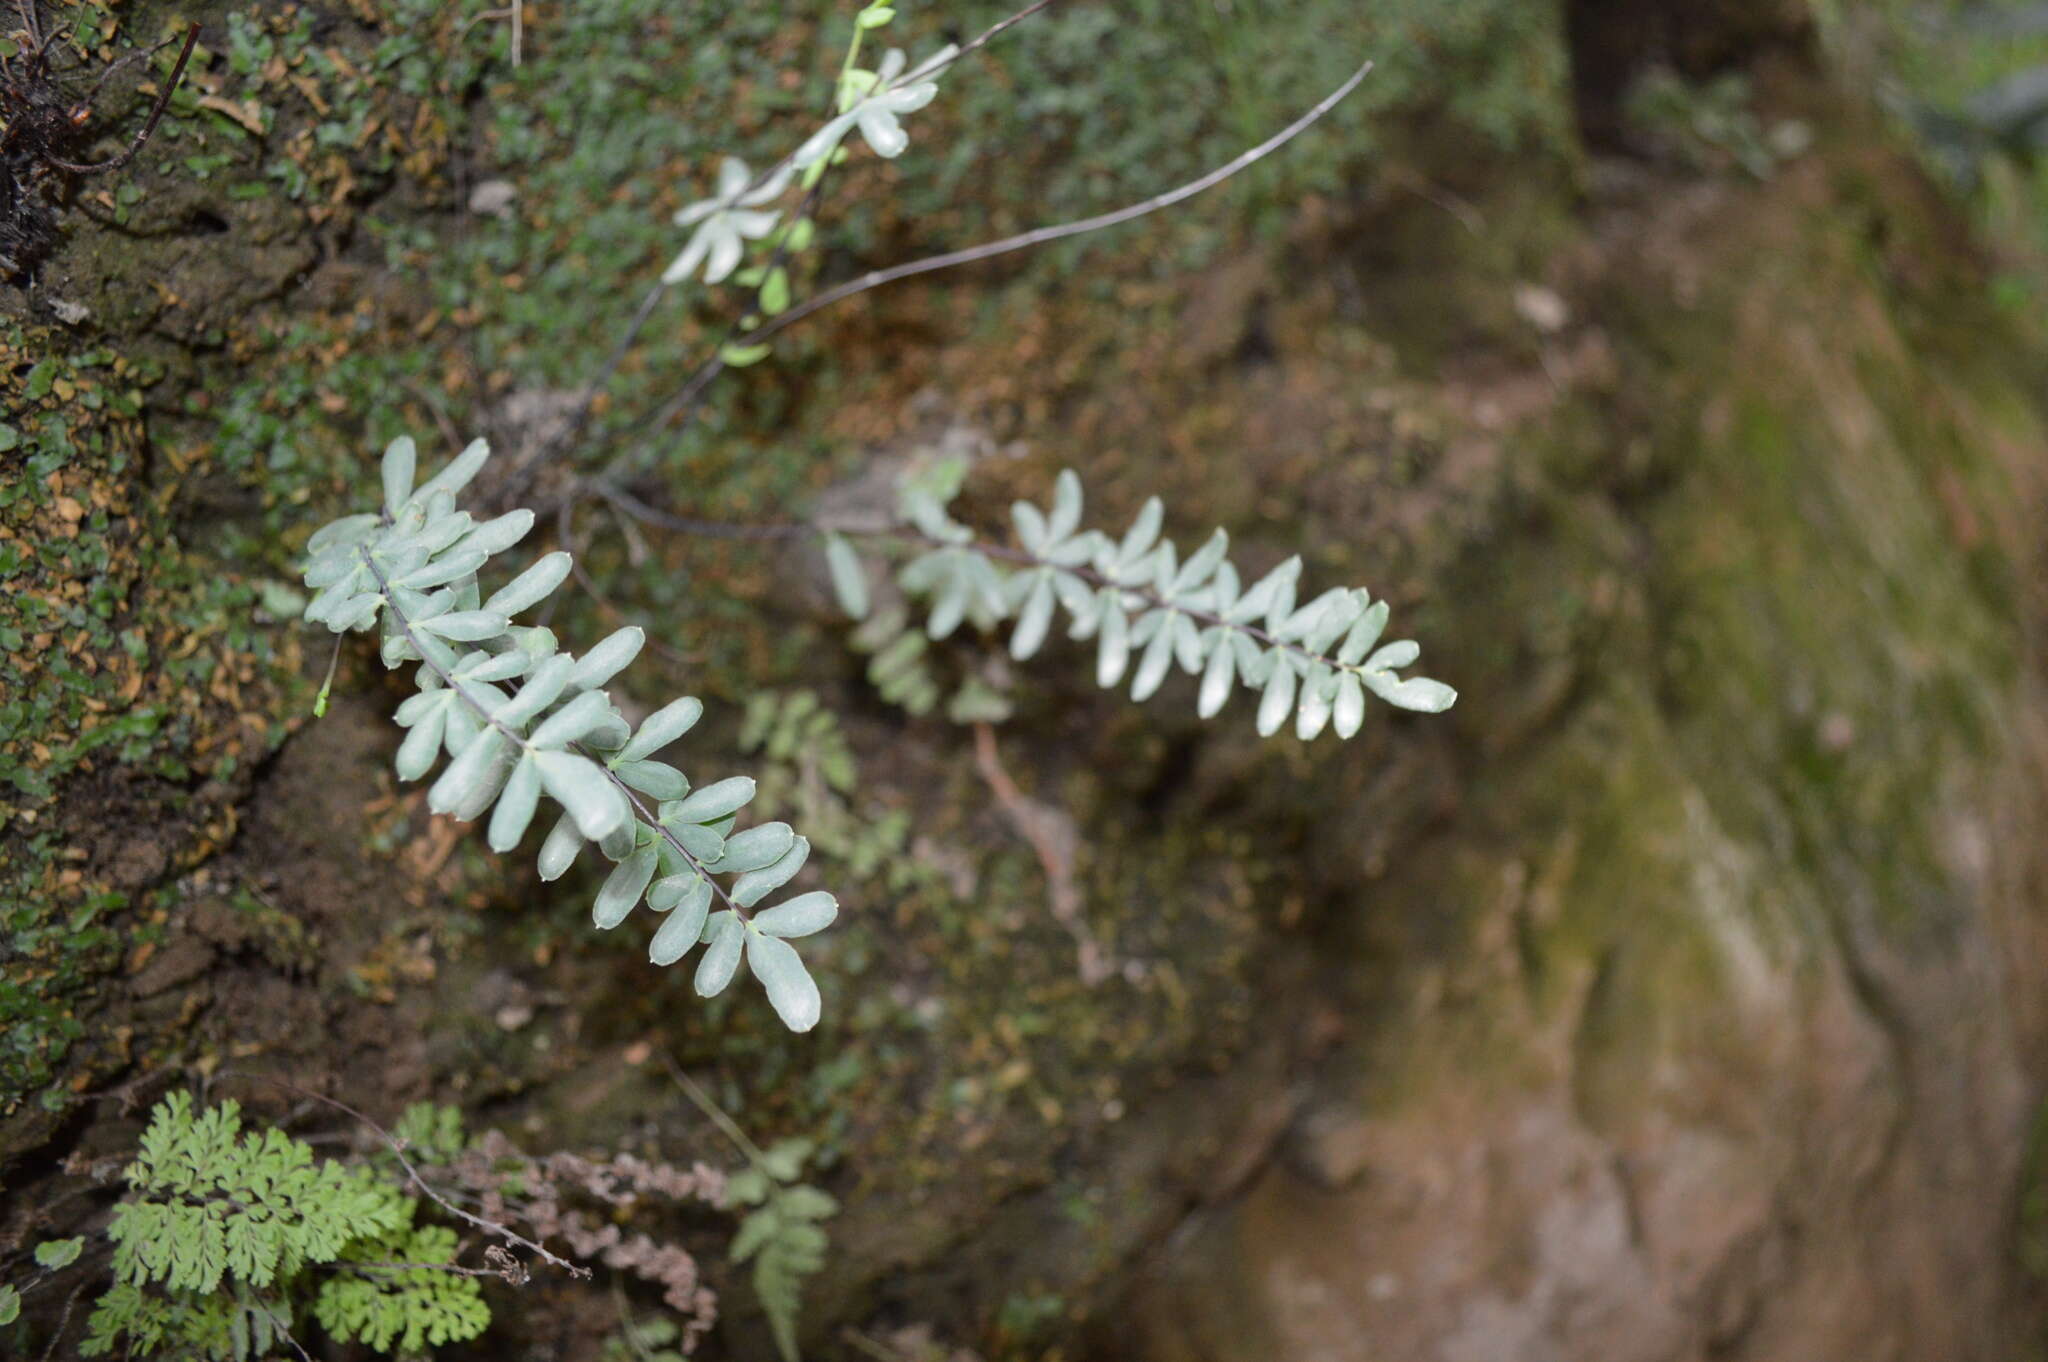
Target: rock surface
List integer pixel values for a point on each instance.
(1708, 1025)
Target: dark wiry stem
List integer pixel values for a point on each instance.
(155, 116)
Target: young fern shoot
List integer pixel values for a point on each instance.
(1138, 598)
(518, 719)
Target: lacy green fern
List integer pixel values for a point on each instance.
(396, 1299)
(211, 1247)
(211, 1201)
(239, 1325)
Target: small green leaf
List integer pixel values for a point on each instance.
(775, 291)
(1278, 700)
(1153, 665)
(653, 778)
(1066, 506)
(10, 1305)
(457, 475)
(464, 626)
(755, 885)
(1397, 654)
(56, 1253)
(1217, 675)
(726, 936)
(977, 702)
(1033, 620)
(423, 744)
(1419, 694)
(741, 356)
(580, 787)
(875, 16)
(559, 851)
(1349, 709)
(473, 779)
(755, 848)
(532, 586)
(713, 801)
(849, 578)
(683, 926)
(349, 530)
(1363, 634)
(748, 1187)
(800, 916)
(1342, 614)
(1272, 593)
(705, 843)
(791, 990)
(572, 721)
(664, 894)
(1314, 713)
(495, 536)
(608, 658)
(623, 888)
(1201, 565)
(458, 569)
(1113, 652)
(515, 806)
(663, 727)
(784, 1160)
(1144, 532)
(539, 690)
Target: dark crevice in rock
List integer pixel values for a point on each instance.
(1612, 42)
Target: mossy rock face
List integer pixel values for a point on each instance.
(1704, 1028)
(1634, 987)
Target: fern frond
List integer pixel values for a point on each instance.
(234, 1326)
(782, 1237)
(211, 1202)
(402, 1309)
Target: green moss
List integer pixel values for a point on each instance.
(117, 651)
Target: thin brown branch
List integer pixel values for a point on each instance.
(726, 1125)
(427, 1189)
(521, 476)
(284, 1332)
(683, 403)
(705, 373)
(976, 43)
(63, 1321)
(452, 1269)
(156, 114)
(639, 510)
(1053, 839)
(1044, 235)
(917, 74)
